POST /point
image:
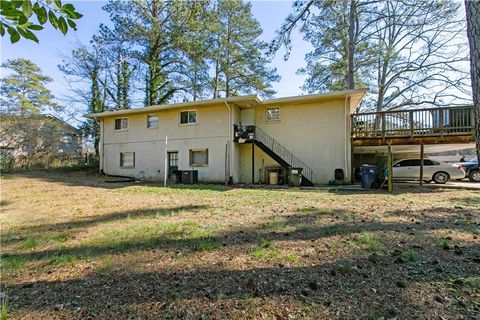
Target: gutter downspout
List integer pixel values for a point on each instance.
(102, 137)
(229, 155)
(346, 137)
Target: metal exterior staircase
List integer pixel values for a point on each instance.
(276, 151)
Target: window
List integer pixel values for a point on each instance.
(199, 158)
(188, 117)
(409, 163)
(428, 162)
(273, 114)
(67, 139)
(152, 121)
(121, 124)
(127, 159)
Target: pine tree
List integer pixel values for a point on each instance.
(240, 63)
(155, 31)
(340, 53)
(24, 90)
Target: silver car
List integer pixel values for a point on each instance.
(436, 171)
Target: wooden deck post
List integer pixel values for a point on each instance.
(421, 163)
(253, 162)
(352, 159)
(390, 169)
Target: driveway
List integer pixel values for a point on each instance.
(464, 184)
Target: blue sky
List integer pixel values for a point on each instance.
(47, 54)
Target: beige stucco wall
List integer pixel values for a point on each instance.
(261, 161)
(210, 131)
(317, 133)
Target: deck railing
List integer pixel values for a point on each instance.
(414, 122)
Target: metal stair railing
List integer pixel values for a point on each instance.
(283, 153)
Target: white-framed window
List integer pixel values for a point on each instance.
(198, 157)
(121, 124)
(152, 121)
(272, 114)
(127, 159)
(188, 117)
(67, 139)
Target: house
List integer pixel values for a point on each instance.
(23, 136)
(241, 139)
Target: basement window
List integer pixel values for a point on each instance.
(273, 114)
(198, 157)
(121, 124)
(188, 117)
(127, 159)
(152, 121)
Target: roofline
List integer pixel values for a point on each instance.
(66, 123)
(318, 96)
(173, 106)
(48, 115)
(253, 98)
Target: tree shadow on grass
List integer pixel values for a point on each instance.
(301, 227)
(361, 284)
(351, 287)
(36, 231)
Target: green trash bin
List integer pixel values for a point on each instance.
(295, 177)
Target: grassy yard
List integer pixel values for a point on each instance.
(76, 247)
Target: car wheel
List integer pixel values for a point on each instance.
(474, 176)
(440, 177)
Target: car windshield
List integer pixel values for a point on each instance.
(474, 160)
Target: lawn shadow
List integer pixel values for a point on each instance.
(36, 231)
(341, 223)
(336, 289)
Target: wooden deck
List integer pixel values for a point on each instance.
(414, 127)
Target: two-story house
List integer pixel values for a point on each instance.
(240, 139)
(27, 135)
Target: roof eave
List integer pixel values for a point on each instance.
(153, 108)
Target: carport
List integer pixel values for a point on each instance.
(416, 132)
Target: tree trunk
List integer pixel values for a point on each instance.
(351, 45)
(472, 8)
(217, 76)
(119, 81)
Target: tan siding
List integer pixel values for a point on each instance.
(211, 131)
(314, 132)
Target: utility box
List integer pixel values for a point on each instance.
(178, 176)
(189, 176)
(295, 177)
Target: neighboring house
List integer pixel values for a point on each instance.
(26, 136)
(215, 137)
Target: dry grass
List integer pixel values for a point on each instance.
(76, 247)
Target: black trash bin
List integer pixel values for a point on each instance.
(370, 176)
